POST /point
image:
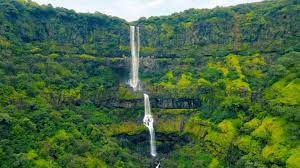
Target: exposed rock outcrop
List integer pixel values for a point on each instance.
(164, 103)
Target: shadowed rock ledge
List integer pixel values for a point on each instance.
(164, 103)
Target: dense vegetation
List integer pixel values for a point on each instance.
(244, 29)
(60, 73)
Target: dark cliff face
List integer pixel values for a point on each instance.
(151, 64)
(162, 103)
(140, 142)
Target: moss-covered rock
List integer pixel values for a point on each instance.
(275, 153)
(247, 144)
(218, 141)
(129, 128)
(294, 160)
(271, 129)
(169, 125)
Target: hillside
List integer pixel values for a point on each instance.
(224, 87)
(63, 31)
(270, 26)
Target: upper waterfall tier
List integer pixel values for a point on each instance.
(135, 50)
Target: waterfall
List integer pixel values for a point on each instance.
(135, 49)
(135, 84)
(148, 122)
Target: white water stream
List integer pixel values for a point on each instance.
(135, 49)
(148, 122)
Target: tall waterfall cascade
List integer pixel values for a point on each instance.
(148, 122)
(135, 50)
(135, 84)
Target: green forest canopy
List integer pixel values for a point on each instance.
(61, 72)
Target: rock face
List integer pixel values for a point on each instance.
(151, 63)
(175, 103)
(140, 142)
(163, 103)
